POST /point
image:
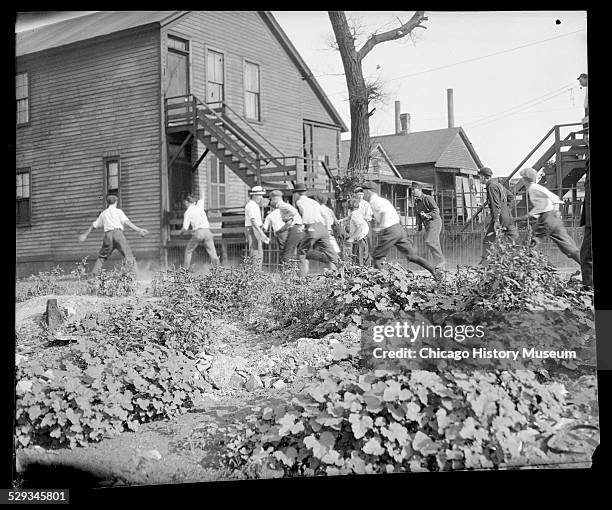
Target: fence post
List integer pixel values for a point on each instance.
(558, 162)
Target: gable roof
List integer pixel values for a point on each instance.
(87, 27)
(421, 147)
(104, 23)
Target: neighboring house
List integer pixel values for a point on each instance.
(392, 185)
(152, 105)
(444, 159)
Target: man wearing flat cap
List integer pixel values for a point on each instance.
(292, 229)
(315, 245)
(498, 198)
(428, 217)
(390, 232)
(545, 208)
(253, 223)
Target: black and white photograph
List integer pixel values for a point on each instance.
(292, 244)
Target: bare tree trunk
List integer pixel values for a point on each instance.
(358, 94)
(358, 89)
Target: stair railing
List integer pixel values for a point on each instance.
(555, 129)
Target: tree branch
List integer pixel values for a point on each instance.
(391, 35)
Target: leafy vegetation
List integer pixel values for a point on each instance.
(385, 422)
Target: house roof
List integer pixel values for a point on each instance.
(421, 147)
(105, 23)
(87, 27)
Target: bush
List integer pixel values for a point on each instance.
(101, 390)
(230, 290)
(384, 422)
(119, 281)
(45, 283)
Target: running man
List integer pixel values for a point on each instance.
(545, 208)
(390, 232)
(112, 219)
(366, 211)
(329, 218)
(358, 234)
(253, 223)
(316, 244)
(501, 219)
(292, 226)
(428, 215)
(195, 216)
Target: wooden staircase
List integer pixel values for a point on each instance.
(237, 144)
(570, 153)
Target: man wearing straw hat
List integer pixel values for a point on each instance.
(253, 223)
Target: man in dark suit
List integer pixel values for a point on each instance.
(501, 219)
(428, 216)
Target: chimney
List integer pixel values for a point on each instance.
(451, 109)
(405, 123)
(398, 126)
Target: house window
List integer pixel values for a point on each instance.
(251, 91)
(217, 184)
(24, 210)
(177, 67)
(112, 176)
(22, 94)
(178, 44)
(214, 77)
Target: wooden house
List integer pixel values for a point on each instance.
(152, 105)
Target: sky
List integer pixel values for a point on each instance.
(513, 74)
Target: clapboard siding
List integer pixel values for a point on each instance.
(88, 102)
(286, 99)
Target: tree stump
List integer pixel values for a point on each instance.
(53, 316)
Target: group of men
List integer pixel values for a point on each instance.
(304, 231)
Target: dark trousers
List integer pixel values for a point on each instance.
(201, 235)
(508, 229)
(315, 244)
(550, 225)
(113, 240)
(586, 258)
(294, 236)
(432, 241)
(361, 252)
(396, 235)
(254, 245)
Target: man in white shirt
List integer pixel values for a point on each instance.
(366, 211)
(315, 245)
(112, 219)
(545, 207)
(253, 223)
(358, 234)
(329, 218)
(292, 226)
(195, 216)
(390, 232)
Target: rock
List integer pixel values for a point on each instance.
(68, 311)
(203, 367)
(53, 316)
(267, 382)
(151, 454)
(306, 371)
(254, 383)
(236, 380)
(333, 341)
(221, 370)
(20, 359)
(279, 385)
